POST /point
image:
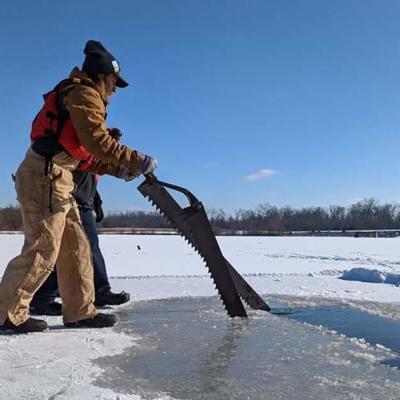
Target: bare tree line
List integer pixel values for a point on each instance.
(366, 214)
(138, 219)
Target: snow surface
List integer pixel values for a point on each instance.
(59, 364)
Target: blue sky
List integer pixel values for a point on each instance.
(243, 102)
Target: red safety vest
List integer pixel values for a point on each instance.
(53, 125)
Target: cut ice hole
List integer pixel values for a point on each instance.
(350, 322)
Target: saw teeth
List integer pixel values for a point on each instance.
(159, 195)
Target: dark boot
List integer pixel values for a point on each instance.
(50, 308)
(111, 299)
(100, 320)
(30, 325)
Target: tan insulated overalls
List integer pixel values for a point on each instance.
(51, 236)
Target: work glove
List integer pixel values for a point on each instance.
(147, 164)
(115, 133)
(126, 173)
(98, 209)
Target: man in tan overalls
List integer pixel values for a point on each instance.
(68, 133)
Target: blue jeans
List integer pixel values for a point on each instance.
(49, 290)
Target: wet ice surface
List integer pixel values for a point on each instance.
(191, 350)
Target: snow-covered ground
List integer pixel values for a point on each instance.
(59, 364)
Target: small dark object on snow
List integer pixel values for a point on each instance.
(138, 247)
(100, 320)
(30, 325)
(192, 223)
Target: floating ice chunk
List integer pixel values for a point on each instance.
(363, 275)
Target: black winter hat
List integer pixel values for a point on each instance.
(99, 61)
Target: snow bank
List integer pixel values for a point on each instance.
(393, 279)
(371, 276)
(363, 275)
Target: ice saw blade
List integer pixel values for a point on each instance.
(192, 223)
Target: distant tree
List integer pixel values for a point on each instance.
(337, 216)
(10, 218)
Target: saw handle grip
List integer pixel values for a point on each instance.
(193, 200)
(150, 177)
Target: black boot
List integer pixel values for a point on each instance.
(111, 299)
(50, 308)
(100, 320)
(30, 325)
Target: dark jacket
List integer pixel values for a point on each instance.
(86, 189)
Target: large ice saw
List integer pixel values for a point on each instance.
(192, 223)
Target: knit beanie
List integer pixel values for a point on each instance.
(99, 61)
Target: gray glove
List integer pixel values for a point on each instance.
(147, 164)
(126, 173)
